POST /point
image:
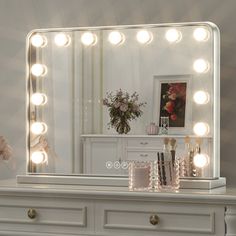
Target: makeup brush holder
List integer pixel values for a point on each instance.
(140, 175)
(166, 175)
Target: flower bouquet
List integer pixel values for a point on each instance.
(122, 109)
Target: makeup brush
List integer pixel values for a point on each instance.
(159, 167)
(166, 142)
(172, 149)
(187, 141)
(198, 144)
(163, 168)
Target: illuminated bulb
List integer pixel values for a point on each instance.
(201, 66)
(201, 129)
(116, 38)
(89, 38)
(39, 157)
(144, 37)
(201, 34)
(62, 40)
(173, 36)
(38, 128)
(38, 99)
(38, 70)
(38, 40)
(201, 97)
(200, 160)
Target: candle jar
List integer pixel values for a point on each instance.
(140, 175)
(152, 129)
(166, 175)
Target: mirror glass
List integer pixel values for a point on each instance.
(101, 97)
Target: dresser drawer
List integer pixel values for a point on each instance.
(145, 155)
(145, 143)
(145, 218)
(67, 216)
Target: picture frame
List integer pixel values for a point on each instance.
(172, 98)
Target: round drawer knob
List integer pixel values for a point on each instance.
(154, 219)
(32, 213)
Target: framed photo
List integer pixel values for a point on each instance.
(172, 98)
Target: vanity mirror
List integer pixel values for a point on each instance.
(154, 84)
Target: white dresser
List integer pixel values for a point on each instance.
(62, 210)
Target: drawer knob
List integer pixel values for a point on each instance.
(154, 219)
(143, 143)
(32, 213)
(144, 155)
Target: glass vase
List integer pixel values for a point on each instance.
(123, 127)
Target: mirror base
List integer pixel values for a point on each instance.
(185, 183)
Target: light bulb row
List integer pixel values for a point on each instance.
(116, 37)
(200, 66)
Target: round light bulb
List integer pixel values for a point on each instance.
(201, 66)
(144, 37)
(39, 157)
(201, 129)
(173, 36)
(38, 128)
(37, 40)
(201, 97)
(38, 99)
(200, 160)
(201, 34)
(38, 70)
(88, 39)
(62, 40)
(116, 38)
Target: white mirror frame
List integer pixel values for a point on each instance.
(116, 181)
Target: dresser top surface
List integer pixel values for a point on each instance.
(218, 195)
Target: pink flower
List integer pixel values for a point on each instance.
(117, 104)
(173, 117)
(172, 96)
(124, 107)
(169, 107)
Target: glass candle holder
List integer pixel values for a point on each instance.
(166, 175)
(140, 175)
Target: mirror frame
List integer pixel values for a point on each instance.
(63, 179)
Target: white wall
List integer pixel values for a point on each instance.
(18, 17)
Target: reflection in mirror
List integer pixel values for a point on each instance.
(102, 97)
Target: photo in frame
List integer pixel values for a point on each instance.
(171, 98)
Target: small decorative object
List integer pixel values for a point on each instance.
(166, 173)
(152, 129)
(140, 175)
(5, 149)
(164, 125)
(122, 109)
